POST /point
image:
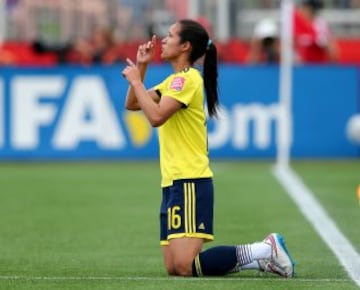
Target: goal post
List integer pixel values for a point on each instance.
(285, 128)
(2, 21)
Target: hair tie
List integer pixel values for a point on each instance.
(209, 43)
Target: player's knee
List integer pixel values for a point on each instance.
(170, 270)
(183, 268)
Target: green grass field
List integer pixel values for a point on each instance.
(95, 225)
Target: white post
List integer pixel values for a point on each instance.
(2, 111)
(222, 23)
(2, 21)
(193, 9)
(2, 39)
(285, 86)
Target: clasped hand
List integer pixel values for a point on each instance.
(144, 56)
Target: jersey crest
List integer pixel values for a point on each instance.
(177, 83)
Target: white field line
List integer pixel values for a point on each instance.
(192, 279)
(320, 220)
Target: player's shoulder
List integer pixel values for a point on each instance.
(187, 76)
(190, 73)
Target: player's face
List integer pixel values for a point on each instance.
(171, 47)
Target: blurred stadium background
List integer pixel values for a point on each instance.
(62, 96)
(58, 23)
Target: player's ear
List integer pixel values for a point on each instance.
(186, 45)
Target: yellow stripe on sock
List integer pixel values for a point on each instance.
(198, 266)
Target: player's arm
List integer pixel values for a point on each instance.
(156, 112)
(156, 109)
(131, 102)
(144, 56)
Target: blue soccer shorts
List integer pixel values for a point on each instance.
(187, 210)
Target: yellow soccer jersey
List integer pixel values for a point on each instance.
(183, 137)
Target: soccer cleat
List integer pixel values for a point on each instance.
(280, 262)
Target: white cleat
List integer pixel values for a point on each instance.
(280, 262)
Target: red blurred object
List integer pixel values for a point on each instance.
(24, 55)
(232, 51)
(349, 51)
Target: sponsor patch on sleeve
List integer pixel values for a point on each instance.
(177, 83)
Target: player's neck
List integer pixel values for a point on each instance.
(180, 65)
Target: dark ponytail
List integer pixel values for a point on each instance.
(201, 45)
(210, 75)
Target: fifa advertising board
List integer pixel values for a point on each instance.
(78, 113)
